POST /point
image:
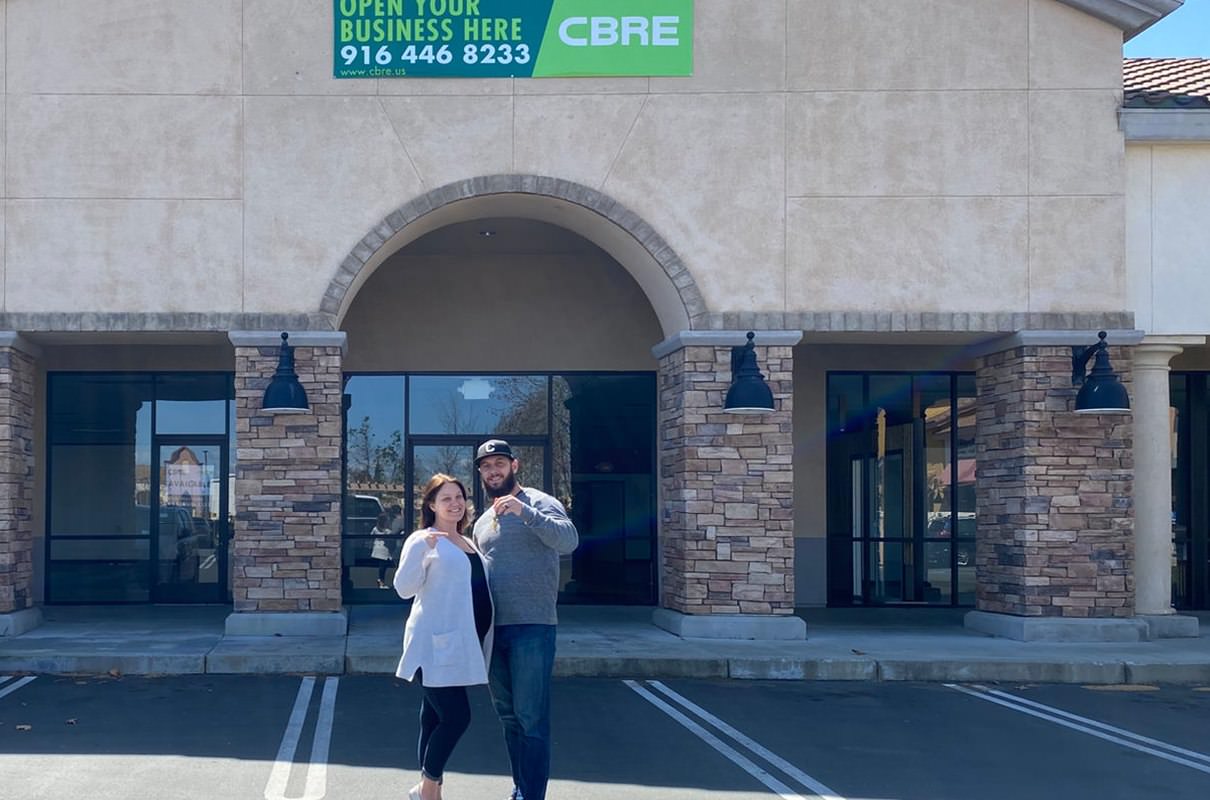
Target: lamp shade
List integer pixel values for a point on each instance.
(285, 395)
(749, 394)
(1102, 397)
(1102, 392)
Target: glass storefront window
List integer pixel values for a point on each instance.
(478, 404)
(374, 437)
(936, 415)
(587, 439)
(964, 489)
(375, 489)
(901, 455)
(102, 533)
(100, 409)
(192, 404)
(846, 403)
(99, 490)
(1189, 421)
(99, 433)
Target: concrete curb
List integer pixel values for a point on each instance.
(995, 671)
(1167, 673)
(252, 656)
(370, 664)
(275, 664)
(789, 669)
(106, 663)
(623, 667)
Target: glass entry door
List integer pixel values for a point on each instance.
(190, 520)
(454, 457)
(876, 501)
(901, 481)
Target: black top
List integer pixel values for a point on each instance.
(480, 598)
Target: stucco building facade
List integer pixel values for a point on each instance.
(918, 208)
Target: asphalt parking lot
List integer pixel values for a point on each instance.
(299, 737)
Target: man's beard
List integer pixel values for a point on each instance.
(506, 486)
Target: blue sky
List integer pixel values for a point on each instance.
(1184, 32)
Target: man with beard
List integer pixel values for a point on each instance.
(521, 537)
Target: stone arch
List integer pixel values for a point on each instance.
(642, 252)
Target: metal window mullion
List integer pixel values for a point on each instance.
(953, 491)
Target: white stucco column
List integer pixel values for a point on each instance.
(1152, 478)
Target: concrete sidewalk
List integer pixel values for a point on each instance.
(841, 644)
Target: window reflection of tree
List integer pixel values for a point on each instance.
(560, 443)
(455, 418)
(371, 462)
(526, 412)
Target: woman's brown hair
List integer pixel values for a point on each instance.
(427, 515)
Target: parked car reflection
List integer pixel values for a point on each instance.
(179, 541)
(940, 527)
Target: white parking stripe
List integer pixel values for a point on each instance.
(280, 776)
(1058, 720)
(5, 678)
(1193, 754)
(9, 690)
(785, 766)
(317, 774)
(762, 775)
(317, 770)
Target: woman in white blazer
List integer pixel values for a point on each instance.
(448, 639)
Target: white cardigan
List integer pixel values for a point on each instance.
(440, 635)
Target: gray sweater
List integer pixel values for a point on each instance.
(522, 555)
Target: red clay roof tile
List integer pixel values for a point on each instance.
(1166, 82)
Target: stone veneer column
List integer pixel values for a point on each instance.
(727, 539)
(17, 373)
(285, 553)
(1152, 401)
(1054, 500)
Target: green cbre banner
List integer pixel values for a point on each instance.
(512, 38)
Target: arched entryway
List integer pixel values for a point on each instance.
(640, 250)
(511, 315)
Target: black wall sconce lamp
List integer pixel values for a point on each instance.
(285, 395)
(749, 394)
(1102, 392)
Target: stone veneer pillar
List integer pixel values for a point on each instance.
(17, 373)
(727, 492)
(285, 553)
(1055, 552)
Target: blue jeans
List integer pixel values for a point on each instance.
(523, 657)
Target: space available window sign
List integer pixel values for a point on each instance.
(512, 38)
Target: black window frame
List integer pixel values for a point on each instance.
(520, 440)
(839, 540)
(153, 378)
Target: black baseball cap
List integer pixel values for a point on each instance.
(493, 447)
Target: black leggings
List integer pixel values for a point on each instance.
(445, 714)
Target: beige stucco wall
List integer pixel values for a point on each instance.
(883, 155)
(1167, 236)
(556, 303)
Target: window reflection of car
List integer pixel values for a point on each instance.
(940, 527)
(177, 542)
(361, 515)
